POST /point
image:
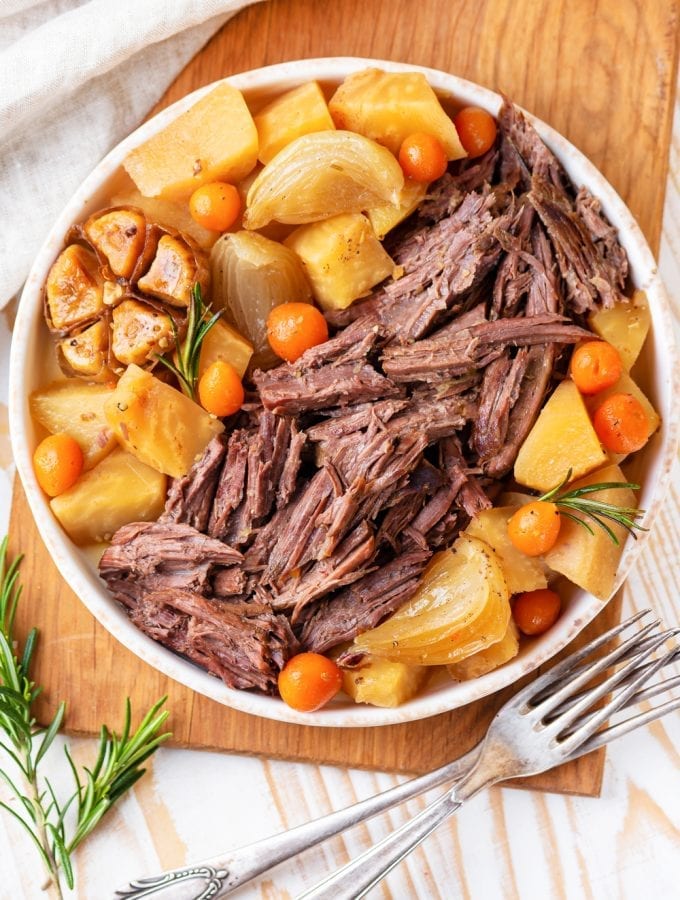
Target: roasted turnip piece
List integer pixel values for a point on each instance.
(119, 490)
(118, 235)
(176, 267)
(87, 353)
(77, 409)
(139, 332)
(159, 425)
(74, 289)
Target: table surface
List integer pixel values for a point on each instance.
(507, 843)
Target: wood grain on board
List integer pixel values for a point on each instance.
(602, 73)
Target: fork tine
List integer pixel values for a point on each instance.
(601, 738)
(537, 688)
(588, 672)
(671, 658)
(656, 689)
(629, 648)
(576, 714)
(600, 717)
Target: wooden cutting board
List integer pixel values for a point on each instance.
(602, 73)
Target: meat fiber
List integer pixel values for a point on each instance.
(589, 275)
(152, 556)
(287, 391)
(244, 644)
(442, 356)
(231, 485)
(190, 499)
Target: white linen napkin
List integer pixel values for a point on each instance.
(76, 76)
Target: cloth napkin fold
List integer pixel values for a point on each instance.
(76, 76)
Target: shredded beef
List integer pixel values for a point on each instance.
(588, 274)
(364, 604)
(446, 194)
(152, 556)
(532, 391)
(521, 134)
(442, 356)
(441, 264)
(190, 499)
(301, 526)
(287, 391)
(231, 485)
(245, 645)
(500, 390)
(291, 466)
(347, 564)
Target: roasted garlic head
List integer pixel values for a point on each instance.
(118, 293)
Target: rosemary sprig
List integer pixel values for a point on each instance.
(57, 826)
(597, 511)
(199, 322)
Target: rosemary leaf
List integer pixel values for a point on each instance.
(599, 512)
(24, 745)
(200, 320)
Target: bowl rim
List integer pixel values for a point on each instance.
(78, 572)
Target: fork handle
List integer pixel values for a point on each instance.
(355, 879)
(358, 877)
(222, 874)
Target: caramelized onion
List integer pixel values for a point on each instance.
(461, 606)
(321, 175)
(250, 276)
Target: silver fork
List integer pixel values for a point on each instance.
(220, 875)
(551, 720)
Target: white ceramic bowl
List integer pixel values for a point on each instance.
(31, 342)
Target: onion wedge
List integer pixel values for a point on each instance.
(321, 175)
(250, 276)
(461, 606)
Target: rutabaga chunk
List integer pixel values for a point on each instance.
(140, 332)
(119, 235)
(388, 106)
(157, 424)
(385, 218)
(73, 289)
(522, 573)
(488, 659)
(383, 682)
(214, 140)
(562, 439)
(77, 409)
(624, 326)
(300, 111)
(591, 560)
(225, 343)
(342, 257)
(119, 490)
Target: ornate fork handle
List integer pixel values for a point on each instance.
(223, 874)
(214, 882)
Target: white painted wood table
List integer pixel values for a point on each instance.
(506, 844)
